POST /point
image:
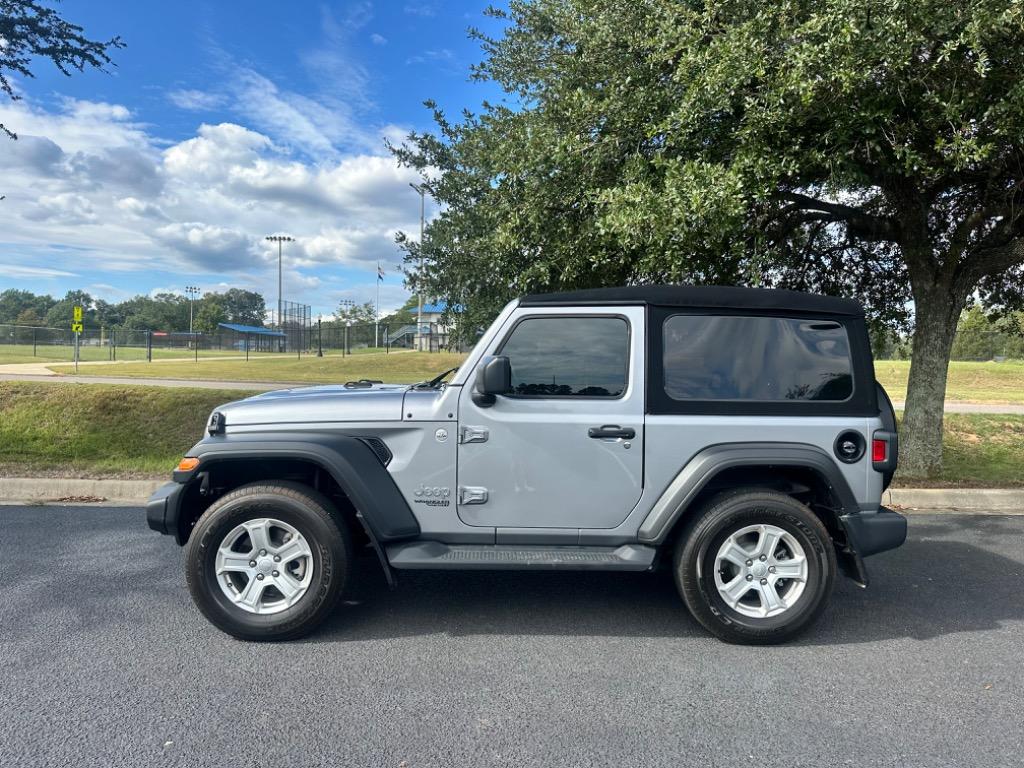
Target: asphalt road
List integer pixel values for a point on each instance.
(105, 662)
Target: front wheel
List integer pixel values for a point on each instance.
(268, 561)
(756, 567)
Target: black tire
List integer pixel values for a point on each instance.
(723, 515)
(307, 511)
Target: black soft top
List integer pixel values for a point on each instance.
(702, 296)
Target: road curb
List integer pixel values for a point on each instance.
(55, 489)
(959, 499)
(35, 490)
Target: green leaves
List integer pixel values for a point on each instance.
(647, 140)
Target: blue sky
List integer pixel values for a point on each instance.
(221, 123)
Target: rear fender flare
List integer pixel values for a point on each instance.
(677, 498)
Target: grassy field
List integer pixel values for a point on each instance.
(979, 451)
(22, 353)
(396, 367)
(968, 382)
(100, 430)
(130, 431)
(55, 353)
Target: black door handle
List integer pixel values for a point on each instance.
(612, 430)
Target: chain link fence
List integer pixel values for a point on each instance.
(27, 344)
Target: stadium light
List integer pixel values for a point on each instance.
(191, 291)
(280, 240)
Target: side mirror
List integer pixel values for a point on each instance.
(493, 377)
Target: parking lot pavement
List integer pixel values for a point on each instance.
(105, 662)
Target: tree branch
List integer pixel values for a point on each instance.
(864, 226)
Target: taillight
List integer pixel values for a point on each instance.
(878, 450)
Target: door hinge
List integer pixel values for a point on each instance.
(471, 495)
(473, 434)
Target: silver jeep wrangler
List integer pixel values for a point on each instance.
(737, 436)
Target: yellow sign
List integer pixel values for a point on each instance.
(78, 314)
(76, 327)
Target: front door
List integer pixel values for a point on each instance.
(565, 449)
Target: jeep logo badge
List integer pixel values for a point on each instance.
(441, 435)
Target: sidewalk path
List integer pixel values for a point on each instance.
(254, 386)
(953, 406)
(8, 373)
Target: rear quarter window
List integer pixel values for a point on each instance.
(760, 359)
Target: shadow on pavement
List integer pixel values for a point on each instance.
(932, 586)
(103, 571)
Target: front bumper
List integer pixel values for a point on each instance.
(162, 508)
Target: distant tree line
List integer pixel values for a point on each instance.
(162, 311)
(169, 311)
(365, 314)
(980, 335)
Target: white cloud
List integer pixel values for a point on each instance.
(30, 273)
(208, 246)
(443, 55)
(188, 98)
(419, 9)
(103, 194)
(68, 207)
(378, 39)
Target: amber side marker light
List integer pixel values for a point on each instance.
(187, 464)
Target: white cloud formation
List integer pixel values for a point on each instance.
(419, 9)
(91, 179)
(189, 98)
(32, 273)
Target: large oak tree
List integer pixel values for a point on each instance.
(873, 149)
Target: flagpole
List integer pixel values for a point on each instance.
(376, 313)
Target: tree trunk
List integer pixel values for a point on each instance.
(937, 309)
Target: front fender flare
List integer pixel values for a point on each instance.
(348, 460)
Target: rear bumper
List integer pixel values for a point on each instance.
(872, 532)
(162, 508)
(868, 533)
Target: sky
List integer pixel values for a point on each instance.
(221, 123)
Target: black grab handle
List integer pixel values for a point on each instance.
(612, 430)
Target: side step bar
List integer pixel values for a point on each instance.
(434, 554)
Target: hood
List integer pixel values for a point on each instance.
(380, 402)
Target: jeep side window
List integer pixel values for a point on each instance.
(568, 356)
(729, 357)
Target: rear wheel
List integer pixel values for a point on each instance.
(756, 566)
(268, 561)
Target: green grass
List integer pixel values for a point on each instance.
(979, 451)
(86, 430)
(100, 430)
(46, 353)
(968, 382)
(396, 367)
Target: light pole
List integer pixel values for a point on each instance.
(280, 240)
(343, 305)
(419, 312)
(192, 291)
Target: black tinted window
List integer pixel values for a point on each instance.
(569, 356)
(756, 358)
